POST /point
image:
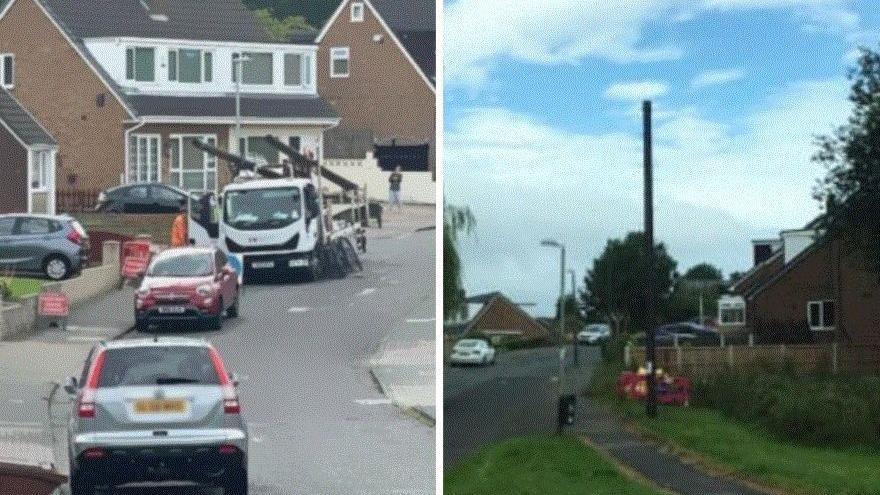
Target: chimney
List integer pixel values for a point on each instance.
(764, 249)
(158, 9)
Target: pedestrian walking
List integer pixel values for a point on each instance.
(394, 182)
(179, 232)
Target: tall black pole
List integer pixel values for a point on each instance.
(650, 353)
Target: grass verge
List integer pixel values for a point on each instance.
(540, 465)
(21, 287)
(751, 452)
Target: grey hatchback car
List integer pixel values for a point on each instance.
(56, 246)
(154, 411)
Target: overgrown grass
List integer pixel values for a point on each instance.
(540, 465)
(16, 288)
(750, 451)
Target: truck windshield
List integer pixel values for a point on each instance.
(260, 209)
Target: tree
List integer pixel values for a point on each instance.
(704, 271)
(574, 315)
(316, 12)
(281, 29)
(850, 191)
(456, 220)
(615, 286)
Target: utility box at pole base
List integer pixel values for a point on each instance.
(566, 411)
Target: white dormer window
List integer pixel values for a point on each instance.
(357, 12)
(7, 70)
(140, 64)
(190, 66)
(339, 61)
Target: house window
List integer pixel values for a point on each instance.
(732, 316)
(143, 158)
(192, 169)
(7, 70)
(357, 12)
(339, 58)
(821, 315)
(256, 68)
(40, 170)
(293, 69)
(258, 148)
(295, 143)
(140, 64)
(190, 66)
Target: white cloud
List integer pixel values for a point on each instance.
(717, 185)
(716, 77)
(637, 91)
(480, 35)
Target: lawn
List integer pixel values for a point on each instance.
(754, 453)
(20, 287)
(540, 465)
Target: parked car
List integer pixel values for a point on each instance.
(156, 411)
(594, 333)
(142, 198)
(187, 284)
(688, 333)
(54, 246)
(472, 351)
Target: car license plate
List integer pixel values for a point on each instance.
(297, 263)
(262, 265)
(172, 310)
(160, 406)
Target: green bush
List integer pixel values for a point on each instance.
(813, 410)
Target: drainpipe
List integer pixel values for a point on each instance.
(127, 150)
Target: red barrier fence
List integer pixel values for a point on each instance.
(135, 258)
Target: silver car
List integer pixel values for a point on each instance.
(56, 246)
(156, 411)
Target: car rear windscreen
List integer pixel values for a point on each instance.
(184, 265)
(161, 365)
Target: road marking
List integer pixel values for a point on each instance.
(404, 236)
(297, 309)
(421, 320)
(83, 338)
(106, 330)
(14, 424)
(368, 291)
(17, 402)
(373, 402)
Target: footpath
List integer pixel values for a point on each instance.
(604, 430)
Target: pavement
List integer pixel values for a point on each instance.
(607, 432)
(515, 397)
(317, 420)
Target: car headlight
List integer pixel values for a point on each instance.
(205, 290)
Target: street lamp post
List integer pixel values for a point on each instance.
(237, 70)
(561, 247)
(574, 301)
(650, 349)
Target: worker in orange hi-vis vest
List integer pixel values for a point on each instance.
(179, 235)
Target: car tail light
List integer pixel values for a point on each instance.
(94, 453)
(228, 449)
(86, 408)
(230, 397)
(74, 237)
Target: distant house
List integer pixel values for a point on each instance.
(27, 160)
(377, 63)
(125, 86)
(805, 286)
(498, 319)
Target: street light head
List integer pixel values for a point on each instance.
(551, 243)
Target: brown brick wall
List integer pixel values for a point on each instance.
(383, 91)
(59, 88)
(13, 167)
(166, 130)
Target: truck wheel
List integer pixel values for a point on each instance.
(237, 484)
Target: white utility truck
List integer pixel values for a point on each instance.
(272, 220)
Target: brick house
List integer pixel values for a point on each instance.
(28, 154)
(498, 319)
(376, 67)
(805, 286)
(125, 85)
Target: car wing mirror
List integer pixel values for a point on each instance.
(71, 385)
(234, 379)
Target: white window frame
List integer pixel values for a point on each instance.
(203, 56)
(208, 158)
(3, 57)
(139, 164)
(357, 12)
(340, 53)
(156, 65)
(823, 326)
(739, 309)
(40, 174)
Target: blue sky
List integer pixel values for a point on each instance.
(543, 130)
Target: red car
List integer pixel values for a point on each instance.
(187, 285)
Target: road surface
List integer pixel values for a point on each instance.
(318, 422)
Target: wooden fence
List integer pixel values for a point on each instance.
(810, 358)
(76, 200)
